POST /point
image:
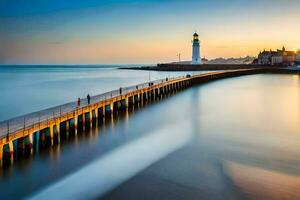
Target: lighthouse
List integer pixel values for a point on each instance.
(196, 58)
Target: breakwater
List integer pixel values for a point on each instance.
(202, 67)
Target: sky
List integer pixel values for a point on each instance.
(142, 31)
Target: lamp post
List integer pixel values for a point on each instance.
(179, 60)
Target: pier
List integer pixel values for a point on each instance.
(26, 134)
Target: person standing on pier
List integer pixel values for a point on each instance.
(88, 99)
(78, 102)
(120, 90)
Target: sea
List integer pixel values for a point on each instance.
(236, 138)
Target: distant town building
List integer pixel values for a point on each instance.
(279, 57)
(196, 58)
(265, 57)
(298, 57)
(204, 61)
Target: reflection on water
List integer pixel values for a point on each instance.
(245, 145)
(259, 183)
(118, 165)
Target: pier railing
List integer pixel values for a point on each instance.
(20, 123)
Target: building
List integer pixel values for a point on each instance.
(196, 58)
(265, 57)
(298, 57)
(279, 57)
(289, 57)
(204, 61)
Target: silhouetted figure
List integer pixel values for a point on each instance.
(120, 90)
(88, 99)
(78, 102)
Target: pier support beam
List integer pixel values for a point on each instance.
(94, 117)
(7, 151)
(111, 108)
(147, 96)
(96, 113)
(76, 125)
(11, 151)
(156, 92)
(90, 114)
(20, 147)
(29, 144)
(130, 101)
(144, 97)
(101, 113)
(58, 132)
(140, 97)
(67, 127)
(51, 135)
(83, 121)
(36, 141)
(64, 129)
(116, 106)
(107, 111)
(1, 155)
(126, 102)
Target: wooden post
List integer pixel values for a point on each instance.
(83, 121)
(76, 124)
(96, 113)
(126, 102)
(58, 132)
(103, 111)
(91, 118)
(1, 154)
(37, 141)
(111, 108)
(51, 134)
(141, 98)
(30, 141)
(67, 128)
(11, 151)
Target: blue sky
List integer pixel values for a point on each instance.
(131, 31)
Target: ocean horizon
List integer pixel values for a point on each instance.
(72, 65)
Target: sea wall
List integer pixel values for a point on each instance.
(203, 67)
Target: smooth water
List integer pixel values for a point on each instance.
(235, 138)
(25, 89)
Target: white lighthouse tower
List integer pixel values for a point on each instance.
(196, 58)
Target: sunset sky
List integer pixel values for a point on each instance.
(142, 31)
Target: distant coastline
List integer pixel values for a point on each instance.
(158, 67)
(202, 67)
(71, 66)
